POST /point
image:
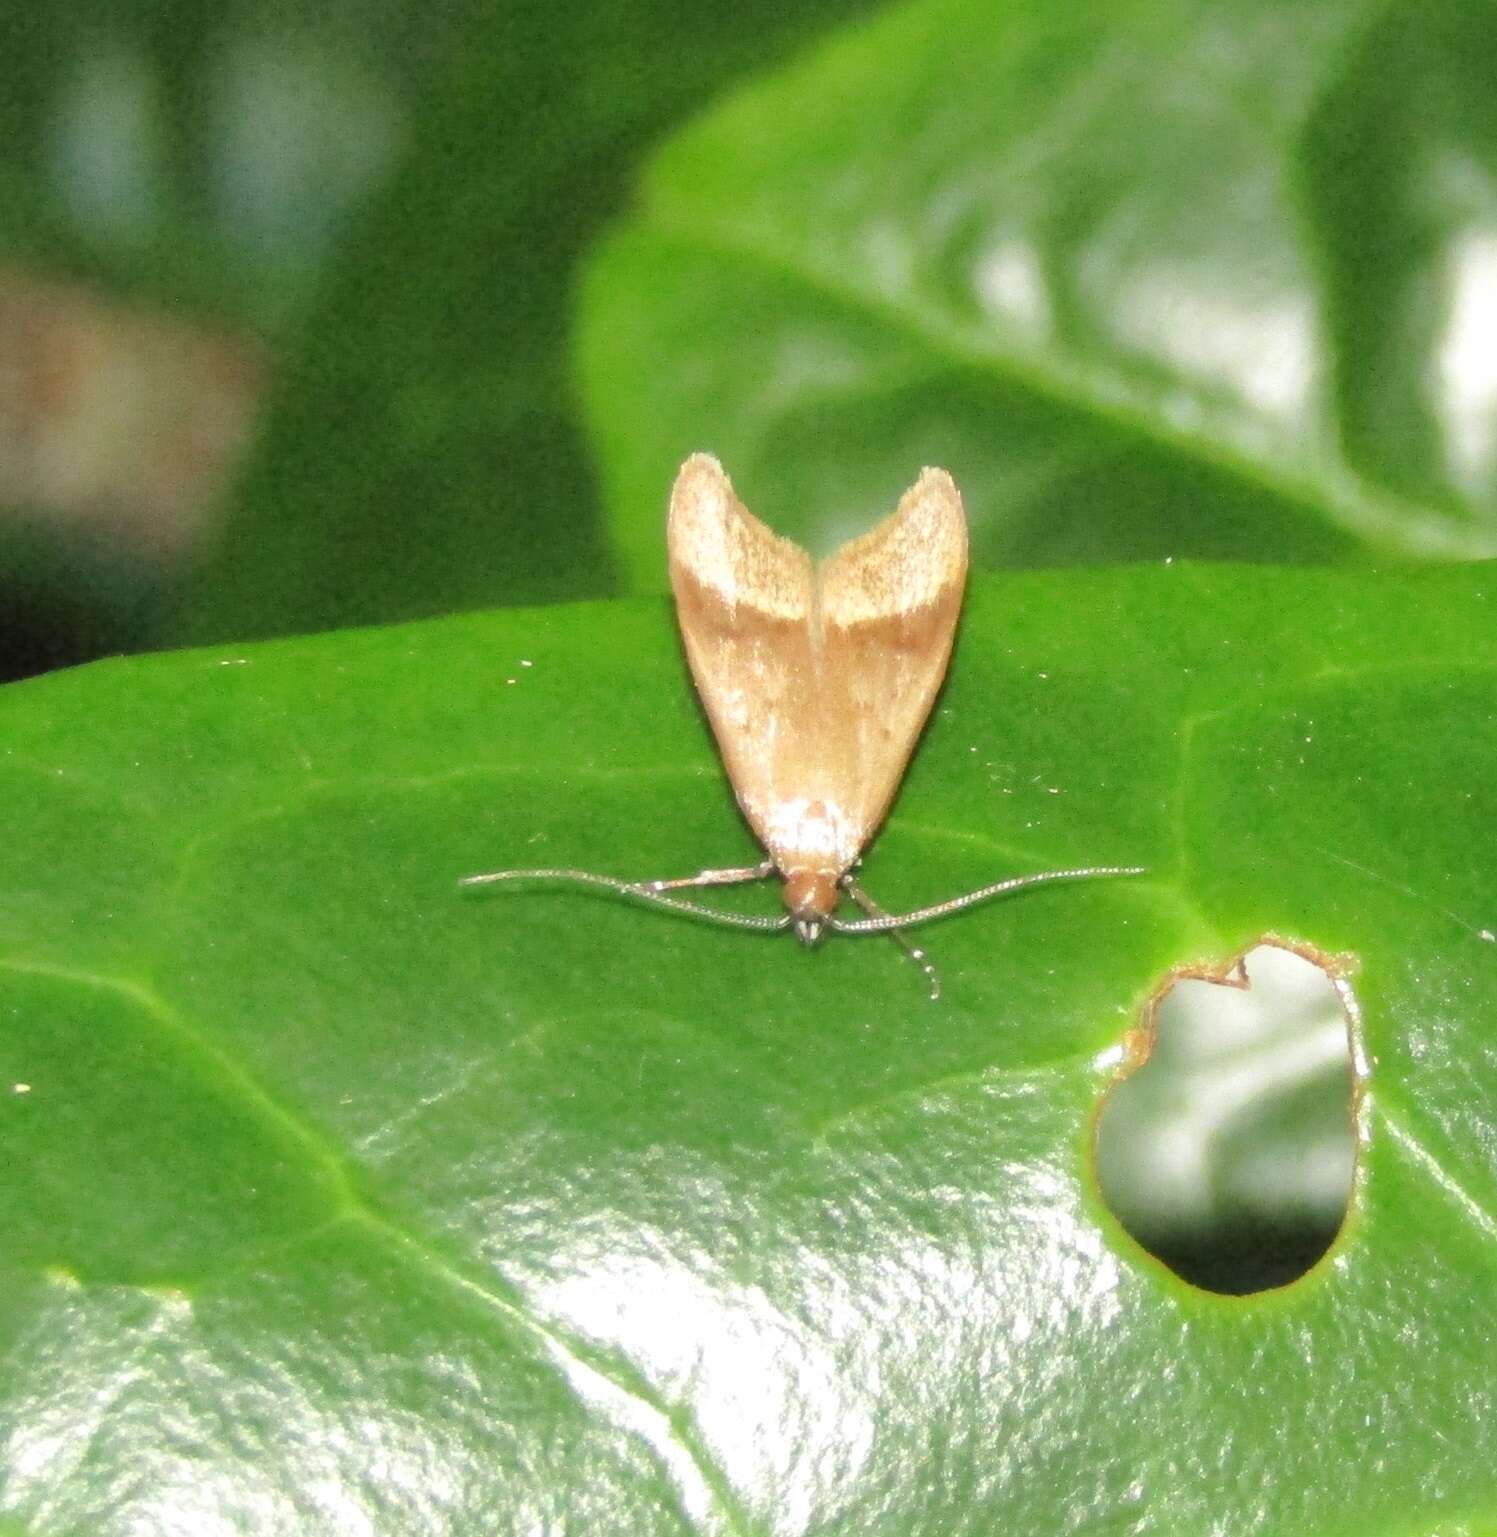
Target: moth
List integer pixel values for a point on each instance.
(817, 679)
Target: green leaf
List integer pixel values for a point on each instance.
(1165, 280)
(336, 1199)
(424, 453)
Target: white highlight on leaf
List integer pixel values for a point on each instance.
(763, 1388)
(1467, 359)
(1010, 285)
(1263, 351)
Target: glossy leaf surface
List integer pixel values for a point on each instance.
(336, 1200)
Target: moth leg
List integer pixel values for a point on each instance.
(713, 877)
(915, 953)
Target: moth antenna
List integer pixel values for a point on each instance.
(912, 951)
(732, 877)
(642, 891)
(885, 923)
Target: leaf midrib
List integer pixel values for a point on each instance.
(1395, 526)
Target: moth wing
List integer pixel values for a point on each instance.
(816, 681)
(744, 600)
(889, 603)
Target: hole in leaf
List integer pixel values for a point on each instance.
(1228, 1147)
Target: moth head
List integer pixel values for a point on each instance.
(811, 895)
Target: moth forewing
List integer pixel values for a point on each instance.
(744, 601)
(816, 679)
(889, 604)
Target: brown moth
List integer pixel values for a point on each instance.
(817, 679)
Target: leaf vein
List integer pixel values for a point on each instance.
(594, 1382)
(1483, 1220)
(1375, 515)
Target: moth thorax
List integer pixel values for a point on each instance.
(811, 896)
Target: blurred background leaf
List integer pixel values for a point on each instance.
(390, 200)
(1167, 280)
(1146, 281)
